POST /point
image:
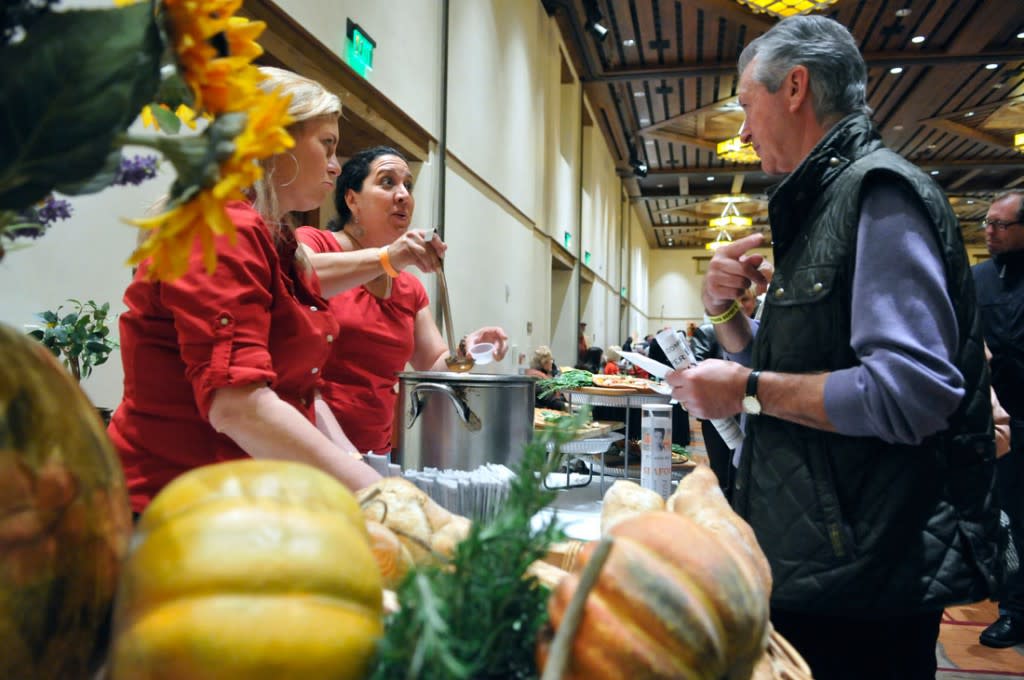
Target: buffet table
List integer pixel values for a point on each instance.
(625, 399)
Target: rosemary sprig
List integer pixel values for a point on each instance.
(569, 379)
(478, 617)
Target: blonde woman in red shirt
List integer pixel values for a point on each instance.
(228, 365)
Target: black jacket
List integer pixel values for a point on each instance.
(1000, 288)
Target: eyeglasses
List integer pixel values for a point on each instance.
(998, 225)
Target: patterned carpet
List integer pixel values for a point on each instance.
(962, 657)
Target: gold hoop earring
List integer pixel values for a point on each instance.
(295, 176)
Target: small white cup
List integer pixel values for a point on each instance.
(482, 353)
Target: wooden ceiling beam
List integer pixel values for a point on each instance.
(930, 164)
(677, 138)
(886, 59)
(968, 132)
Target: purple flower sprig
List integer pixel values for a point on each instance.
(33, 222)
(135, 170)
(52, 210)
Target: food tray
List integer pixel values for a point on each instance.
(615, 397)
(592, 445)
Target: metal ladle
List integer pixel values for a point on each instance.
(456, 362)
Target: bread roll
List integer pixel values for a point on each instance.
(625, 499)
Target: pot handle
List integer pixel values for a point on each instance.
(470, 419)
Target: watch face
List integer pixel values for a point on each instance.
(751, 405)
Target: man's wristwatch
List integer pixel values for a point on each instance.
(751, 404)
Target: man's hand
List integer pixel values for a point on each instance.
(732, 271)
(711, 389)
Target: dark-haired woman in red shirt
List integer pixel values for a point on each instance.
(385, 319)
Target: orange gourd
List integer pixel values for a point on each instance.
(248, 569)
(64, 518)
(672, 601)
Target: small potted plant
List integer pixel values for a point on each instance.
(80, 338)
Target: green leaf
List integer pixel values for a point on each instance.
(76, 81)
(101, 180)
(167, 121)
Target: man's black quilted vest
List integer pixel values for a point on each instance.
(853, 525)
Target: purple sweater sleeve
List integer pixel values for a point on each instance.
(903, 329)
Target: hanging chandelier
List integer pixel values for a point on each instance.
(730, 219)
(734, 149)
(722, 239)
(786, 8)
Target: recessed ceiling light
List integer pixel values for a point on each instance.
(896, 70)
(917, 39)
(645, 121)
(628, 42)
(661, 186)
(970, 201)
(897, 128)
(1021, 35)
(905, 12)
(639, 94)
(932, 146)
(711, 178)
(997, 86)
(671, 242)
(968, 114)
(935, 172)
(664, 218)
(991, 67)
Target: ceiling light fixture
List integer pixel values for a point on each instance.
(639, 166)
(917, 39)
(594, 18)
(723, 239)
(734, 149)
(730, 219)
(896, 70)
(628, 42)
(991, 67)
(786, 8)
(1018, 141)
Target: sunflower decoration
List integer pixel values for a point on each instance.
(214, 51)
(178, 62)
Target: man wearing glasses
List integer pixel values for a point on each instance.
(1000, 287)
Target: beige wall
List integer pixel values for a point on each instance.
(514, 129)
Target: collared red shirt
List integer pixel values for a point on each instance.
(255, 319)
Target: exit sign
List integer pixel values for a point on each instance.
(359, 48)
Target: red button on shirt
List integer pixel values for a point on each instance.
(251, 321)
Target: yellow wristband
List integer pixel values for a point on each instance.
(385, 261)
(733, 310)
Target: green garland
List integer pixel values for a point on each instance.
(479, 617)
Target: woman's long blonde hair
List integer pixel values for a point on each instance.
(309, 100)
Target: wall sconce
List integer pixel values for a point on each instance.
(639, 166)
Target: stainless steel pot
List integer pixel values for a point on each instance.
(463, 420)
